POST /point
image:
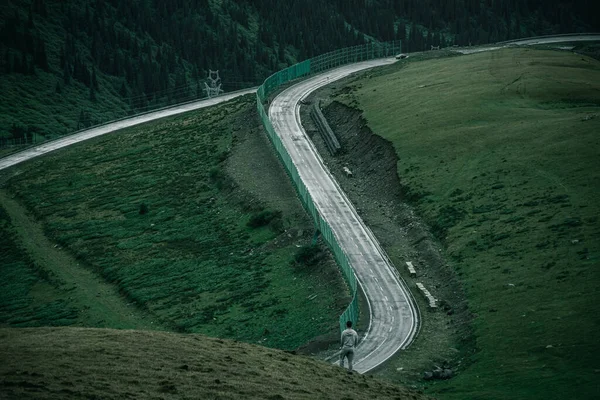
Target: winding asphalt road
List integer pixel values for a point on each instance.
(394, 316)
(30, 153)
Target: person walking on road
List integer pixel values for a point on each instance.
(349, 341)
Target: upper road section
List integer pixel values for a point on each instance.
(592, 37)
(394, 318)
(114, 126)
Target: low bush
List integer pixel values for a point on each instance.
(264, 218)
(308, 256)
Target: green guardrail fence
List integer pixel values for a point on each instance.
(305, 68)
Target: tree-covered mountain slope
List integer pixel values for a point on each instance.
(68, 65)
(65, 65)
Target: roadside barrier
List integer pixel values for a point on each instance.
(325, 130)
(303, 69)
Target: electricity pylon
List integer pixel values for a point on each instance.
(212, 85)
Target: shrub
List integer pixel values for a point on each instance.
(308, 256)
(264, 218)
(218, 177)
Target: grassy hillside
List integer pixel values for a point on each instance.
(58, 363)
(499, 152)
(44, 285)
(190, 218)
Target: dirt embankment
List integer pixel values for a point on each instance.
(384, 204)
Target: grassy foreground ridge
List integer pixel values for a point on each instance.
(58, 363)
(499, 152)
(190, 219)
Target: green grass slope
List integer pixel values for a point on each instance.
(20, 277)
(500, 153)
(58, 363)
(190, 218)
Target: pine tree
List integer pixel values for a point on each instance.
(8, 61)
(80, 120)
(94, 81)
(39, 7)
(39, 56)
(30, 24)
(123, 90)
(18, 63)
(67, 74)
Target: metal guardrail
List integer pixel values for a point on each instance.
(305, 68)
(324, 129)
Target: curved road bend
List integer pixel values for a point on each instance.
(532, 42)
(28, 154)
(557, 39)
(394, 318)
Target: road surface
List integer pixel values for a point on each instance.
(532, 42)
(394, 317)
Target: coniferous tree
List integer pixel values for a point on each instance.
(80, 120)
(39, 7)
(8, 62)
(152, 47)
(94, 80)
(30, 24)
(39, 57)
(123, 90)
(67, 73)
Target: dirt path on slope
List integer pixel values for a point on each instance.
(99, 303)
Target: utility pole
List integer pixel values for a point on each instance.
(212, 85)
